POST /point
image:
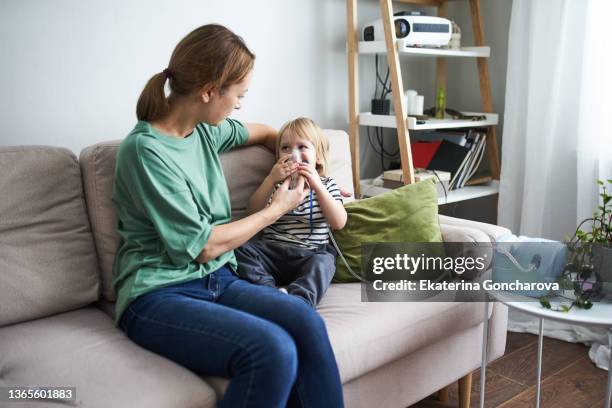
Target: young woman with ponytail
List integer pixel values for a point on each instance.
(177, 293)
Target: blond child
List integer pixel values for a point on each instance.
(295, 251)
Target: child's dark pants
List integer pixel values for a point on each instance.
(307, 273)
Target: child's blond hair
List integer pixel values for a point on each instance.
(309, 130)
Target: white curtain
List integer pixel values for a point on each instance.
(557, 136)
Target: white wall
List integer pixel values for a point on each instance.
(72, 70)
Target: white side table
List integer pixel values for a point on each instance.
(599, 315)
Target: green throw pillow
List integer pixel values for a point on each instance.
(406, 214)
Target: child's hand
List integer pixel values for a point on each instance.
(311, 176)
(282, 169)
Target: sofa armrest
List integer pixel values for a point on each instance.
(493, 231)
(466, 231)
(462, 241)
(459, 233)
(498, 327)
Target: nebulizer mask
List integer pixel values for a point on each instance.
(294, 158)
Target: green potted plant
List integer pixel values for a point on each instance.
(589, 269)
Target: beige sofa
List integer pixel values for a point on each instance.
(57, 240)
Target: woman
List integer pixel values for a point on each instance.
(177, 293)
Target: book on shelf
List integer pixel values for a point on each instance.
(461, 161)
(423, 152)
(476, 155)
(451, 158)
(457, 136)
(395, 178)
(481, 177)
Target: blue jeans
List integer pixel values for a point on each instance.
(273, 346)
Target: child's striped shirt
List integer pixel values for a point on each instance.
(297, 228)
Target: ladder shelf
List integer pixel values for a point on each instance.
(394, 49)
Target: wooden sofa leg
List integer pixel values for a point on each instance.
(465, 391)
(443, 394)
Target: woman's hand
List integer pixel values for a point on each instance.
(282, 169)
(311, 176)
(286, 200)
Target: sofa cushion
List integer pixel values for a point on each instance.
(47, 255)
(98, 169)
(406, 214)
(83, 349)
(368, 335)
(244, 170)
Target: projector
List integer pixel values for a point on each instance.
(415, 30)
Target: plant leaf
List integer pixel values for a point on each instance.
(545, 303)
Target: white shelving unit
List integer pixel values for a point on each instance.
(396, 49)
(379, 47)
(373, 187)
(388, 121)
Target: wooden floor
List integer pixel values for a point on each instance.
(569, 378)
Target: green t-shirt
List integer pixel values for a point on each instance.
(168, 193)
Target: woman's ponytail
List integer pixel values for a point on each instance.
(153, 104)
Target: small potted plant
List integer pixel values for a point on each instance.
(589, 269)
